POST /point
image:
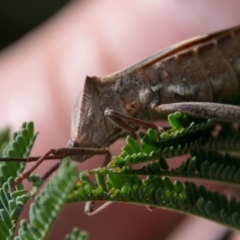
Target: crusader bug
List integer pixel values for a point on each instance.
(191, 77)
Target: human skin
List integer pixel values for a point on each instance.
(42, 74)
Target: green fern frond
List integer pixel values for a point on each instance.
(4, 138)
(77, 235)
(228, 140)
(48, 203)
(161, 193)
(12, 203)
(182, 124)
(173, 142)
(203, 164)
(19, 146)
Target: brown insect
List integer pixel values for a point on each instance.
(190, 77)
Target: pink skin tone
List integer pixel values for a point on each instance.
(42, 74)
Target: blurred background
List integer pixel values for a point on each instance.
(48, 48)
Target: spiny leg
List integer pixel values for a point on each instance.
(215, 111)
(26, 173)
(58, 154)
(107, 159)
(129, 123)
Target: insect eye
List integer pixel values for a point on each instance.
(132, 107)
(73, 144)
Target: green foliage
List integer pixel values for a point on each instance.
(48, 203)
(12, 202)
(77, 235)
(121, 182)
(173, 142)
(207, 156)
(19, 146)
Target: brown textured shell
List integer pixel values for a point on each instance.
(202, 69)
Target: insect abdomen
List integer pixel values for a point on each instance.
(205, 70)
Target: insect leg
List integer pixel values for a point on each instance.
(26, 173)
(50, 171)
(88, 209)
(215, 111)
(58, 154)
(129, 123)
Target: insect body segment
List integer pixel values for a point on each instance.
(203, 69)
